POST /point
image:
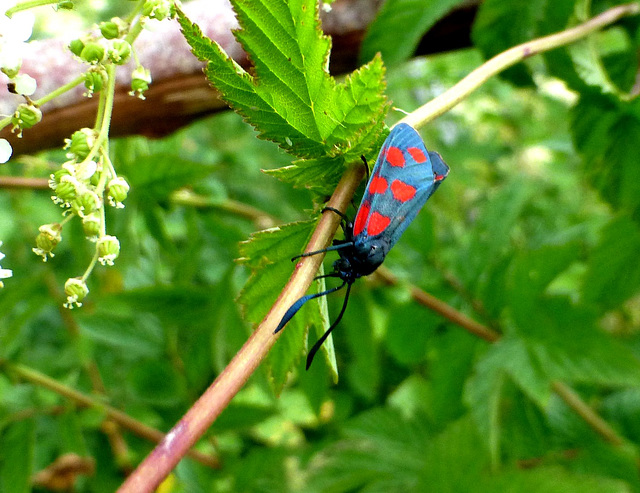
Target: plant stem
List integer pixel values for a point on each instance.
(60, 90)
(28, 5)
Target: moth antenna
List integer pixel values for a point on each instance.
(316, 252)
(320, 341)
(293, 309)
(366, 167)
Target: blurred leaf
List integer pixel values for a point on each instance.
(511, 359)
(547, 479)
(156, 383)
(603, 132)
(569, 346)
(154, 176)
(16, 456)
(412, 18)
(131, 335)
(613, 271)
(500, 25)
(410, 327)
(531, 272)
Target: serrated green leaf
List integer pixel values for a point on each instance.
(586, 56)
(319, 175)
(511, 359)
(613, 271)
(292, 99)
(268, 253)
(412, 18)
(566, 343)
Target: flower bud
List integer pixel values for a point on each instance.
(109, 30)
(92, 52)
(91, 225)
(158, 9)
(25, 85)
(119, 51)
(5, 151)
(76, 46)
(76, 290)
(80, 143)
(94, 80)
(87, 202)
(66, 190)
(118, 188)
(26, 116)
(140, 80)
(49, 236)
(108, 248)
(10, 63)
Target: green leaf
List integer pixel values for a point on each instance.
(268, 253)
(16, 456)
(500, 25)
(550, 479)
(587, 57)
(531, 272)
(508, 359)
(603, 131)
(292, 100)
(567, 344)
(155, 176)
(412, 18)
(613, 271)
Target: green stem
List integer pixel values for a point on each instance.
(61, 90)
(135, 31)
(28, 5)
(506, 59)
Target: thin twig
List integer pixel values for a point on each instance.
(114, 414)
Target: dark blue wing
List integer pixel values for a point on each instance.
(404, 177)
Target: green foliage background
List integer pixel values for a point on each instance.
(535, 233)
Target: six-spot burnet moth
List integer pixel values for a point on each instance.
(404, 177)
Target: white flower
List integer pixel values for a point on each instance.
(25, 84)
(14, 32)
(5, 151)
(4, 273)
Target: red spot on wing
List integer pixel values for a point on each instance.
(401, 191)
(361, 218)
(378, 184)
(439, 177)
(417, 154)
(395, 157)
(377, 224)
